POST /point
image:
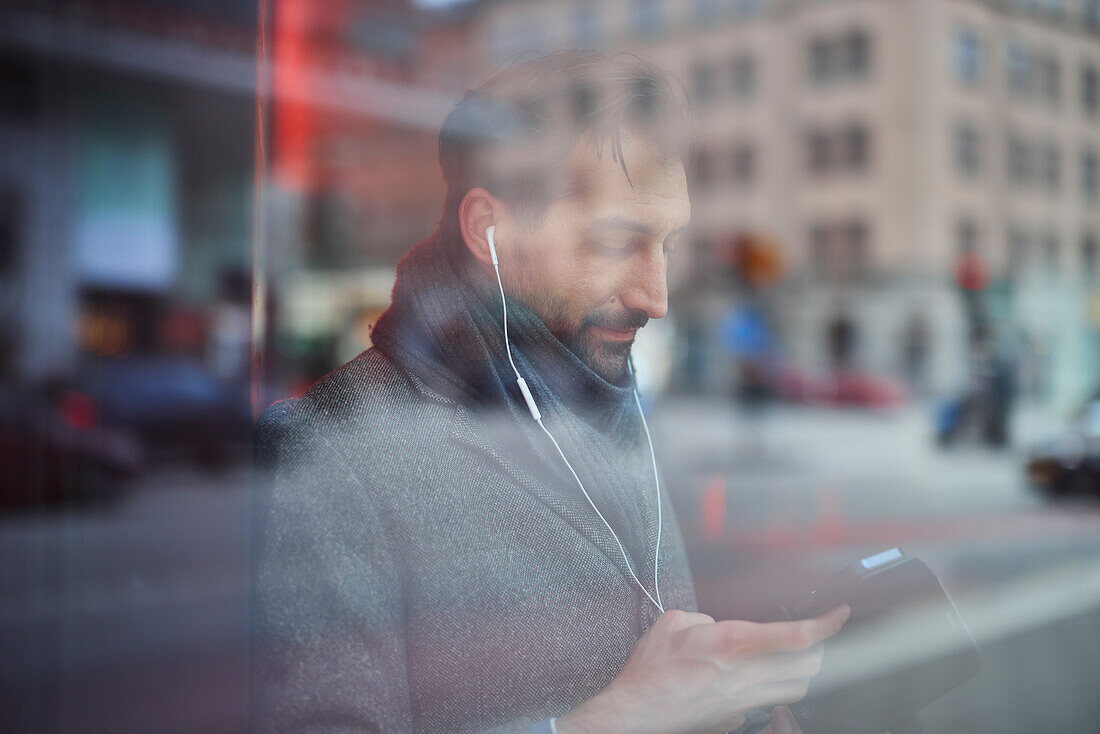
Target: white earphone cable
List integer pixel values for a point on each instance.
(655, 600)
(657, 482)
(504, 304)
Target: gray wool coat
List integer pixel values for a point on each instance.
(417, 571)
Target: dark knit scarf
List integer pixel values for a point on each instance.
(445, 327)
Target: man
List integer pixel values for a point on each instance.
(436, 560)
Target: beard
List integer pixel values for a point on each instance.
(607, 358)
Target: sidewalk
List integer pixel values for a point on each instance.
(873, 463)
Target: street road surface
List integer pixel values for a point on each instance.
(774, 505)
(132, 616)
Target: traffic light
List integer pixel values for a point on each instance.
(755, 259)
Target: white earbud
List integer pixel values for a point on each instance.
(528, 398)
(492, 245)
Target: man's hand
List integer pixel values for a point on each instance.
(689, 673)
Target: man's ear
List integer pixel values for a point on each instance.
(477, 211)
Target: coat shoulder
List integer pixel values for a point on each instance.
(367, 407)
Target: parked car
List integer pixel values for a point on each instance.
(55, 447)
(1069, 463)
(849, 388)
(174, 407)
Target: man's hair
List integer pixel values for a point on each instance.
(513, 134)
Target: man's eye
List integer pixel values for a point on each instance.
(609, 246)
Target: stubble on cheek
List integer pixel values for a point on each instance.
(605, 358)
(574, 328)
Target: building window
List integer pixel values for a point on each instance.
(743, 163)
(858, 246)
(1090, 89)
(702, 167)
(743, 77)
(1052, 166)
(841, 250)
(1091, 12)
(586, 25)
(1052, 249)
(1090, 174)
(967, 56)
(819, 250)
(820, 60)
(1090, 257)
(966, 237)
(967, 150)
(856, 47)
(848, 148)
(856, 143)
(818, 156)
(702, 76)
(647, 18)
(832, 58)
(1051, 75)
(1019, 67)
(1019, 160)
(1017, 250)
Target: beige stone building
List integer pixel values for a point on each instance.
(875, 141)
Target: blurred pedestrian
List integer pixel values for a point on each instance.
(915, 343)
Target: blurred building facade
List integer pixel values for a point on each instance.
(865, 148)
(359, 90)
(126, 135)
(879, 146)
(143, 190)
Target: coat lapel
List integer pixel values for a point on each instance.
(508, 445)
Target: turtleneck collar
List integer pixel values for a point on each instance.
(445, 325)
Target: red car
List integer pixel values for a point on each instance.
(845, 388)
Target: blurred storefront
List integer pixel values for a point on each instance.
(360, 91)
(127, 173)
(129, 153)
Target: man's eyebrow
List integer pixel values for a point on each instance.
(630, 225)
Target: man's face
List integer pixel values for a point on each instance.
(594, 270)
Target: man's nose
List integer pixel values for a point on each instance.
(646, 286)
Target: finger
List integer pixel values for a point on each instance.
(805, 633)
(735, 722)
(783, 721)
(676, 619)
